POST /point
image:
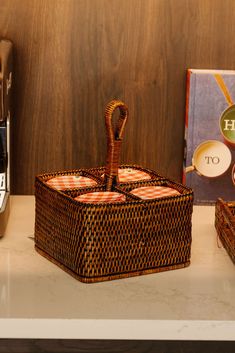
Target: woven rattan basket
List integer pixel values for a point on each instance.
(104, 241)
(225, 225)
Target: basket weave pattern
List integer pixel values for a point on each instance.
(225, 225)
(98, 242)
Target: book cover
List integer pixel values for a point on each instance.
(209, 162)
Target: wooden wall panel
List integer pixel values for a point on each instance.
(73, 56)
(113, 346)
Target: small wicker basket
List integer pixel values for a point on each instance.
(104, 241)
(225, 225)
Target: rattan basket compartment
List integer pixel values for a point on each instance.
(157, 182)
(73, 173)
(225, 225)
(104, 241)
(99, 172)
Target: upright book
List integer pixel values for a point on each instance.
(209, 166)
(5, 117)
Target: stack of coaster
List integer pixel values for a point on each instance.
(101, 197)
(126, 175)
(71, 181)
(154, 192)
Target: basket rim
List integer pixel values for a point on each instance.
(135, 200)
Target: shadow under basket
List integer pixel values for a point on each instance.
(106, 241)
(225, 225)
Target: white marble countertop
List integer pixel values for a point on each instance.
(39, 300)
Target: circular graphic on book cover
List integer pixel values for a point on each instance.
(227, 124)
(233, 174)
(211, 159)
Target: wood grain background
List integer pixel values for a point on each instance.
(72, 57)
(114, 346)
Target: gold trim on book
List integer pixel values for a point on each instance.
(223, 88)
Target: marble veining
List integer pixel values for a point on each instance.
(32, 287)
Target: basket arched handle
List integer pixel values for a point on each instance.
(114, 139)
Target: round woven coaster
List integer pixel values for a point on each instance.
(154, 192)
(71, 181)
(101, 197)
